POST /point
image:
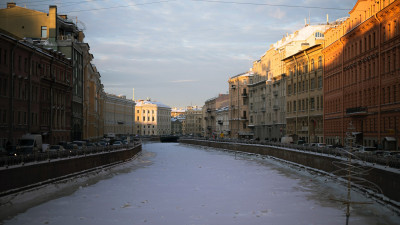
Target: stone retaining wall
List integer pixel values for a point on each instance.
(17, 177)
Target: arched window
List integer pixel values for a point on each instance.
(319, 35)
(320, 62)
(312, 65)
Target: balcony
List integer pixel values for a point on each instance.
(220, 122)
(120, 122)
(275, 93)
(243, 117)
(357, 111)
(276, 107)
(263, 109)
(209, 110)
(244, 95)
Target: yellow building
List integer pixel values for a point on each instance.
(119, 115)
(304, 97)
(267, 87)
(239, 106)
(152, 118)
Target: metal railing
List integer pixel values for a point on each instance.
(22, 159)
(392, 161)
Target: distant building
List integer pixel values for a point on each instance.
(176, 125)
(210, 109)
(239, 106)
(35, 92)
(193, 123)
(222, 115)
(175, 112)
(152, 118)
(119, 115)
(362, 76)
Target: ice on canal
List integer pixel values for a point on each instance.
(181, 184)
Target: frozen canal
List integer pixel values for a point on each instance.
(181, 184)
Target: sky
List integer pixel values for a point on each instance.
(182, 52)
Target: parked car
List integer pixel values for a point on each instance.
(81, 144)
(366, 149)
(319, 145)
(71, 147)
(3, 151)
(90, 145)
(55, 148)
(117, 143)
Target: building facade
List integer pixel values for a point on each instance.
(93, 101)
(304, 97)
(268, 86)
(55, 31)
(119, 115)
(362, 76)
(152, 118)
(212, 126)
(239, 106)
(193, 123)
(35, 92)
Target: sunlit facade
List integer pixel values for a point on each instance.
(152, 118)
(362, 76)
(239, 106)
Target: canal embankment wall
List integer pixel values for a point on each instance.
(20, 177)
(386, 178)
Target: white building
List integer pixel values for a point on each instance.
(152, 118)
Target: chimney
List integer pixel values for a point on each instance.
(133, 94)
(52, 22)
(10, 5)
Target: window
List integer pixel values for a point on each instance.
(312, 65)
(144, 118)
(312, 83)
(320, 62)
(312, 103)
(294, 106)
(44, 32)
(320, 82)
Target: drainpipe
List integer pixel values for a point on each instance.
(51, 100)
(380, 80)
(30, 90)
(342, 86)
(295, 73)
(308, 96)
(11, 103)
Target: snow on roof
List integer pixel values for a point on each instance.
(158, 104)
(300, 35)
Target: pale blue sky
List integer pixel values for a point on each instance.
(183, 52)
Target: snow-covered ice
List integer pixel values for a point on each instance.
(181, 184)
